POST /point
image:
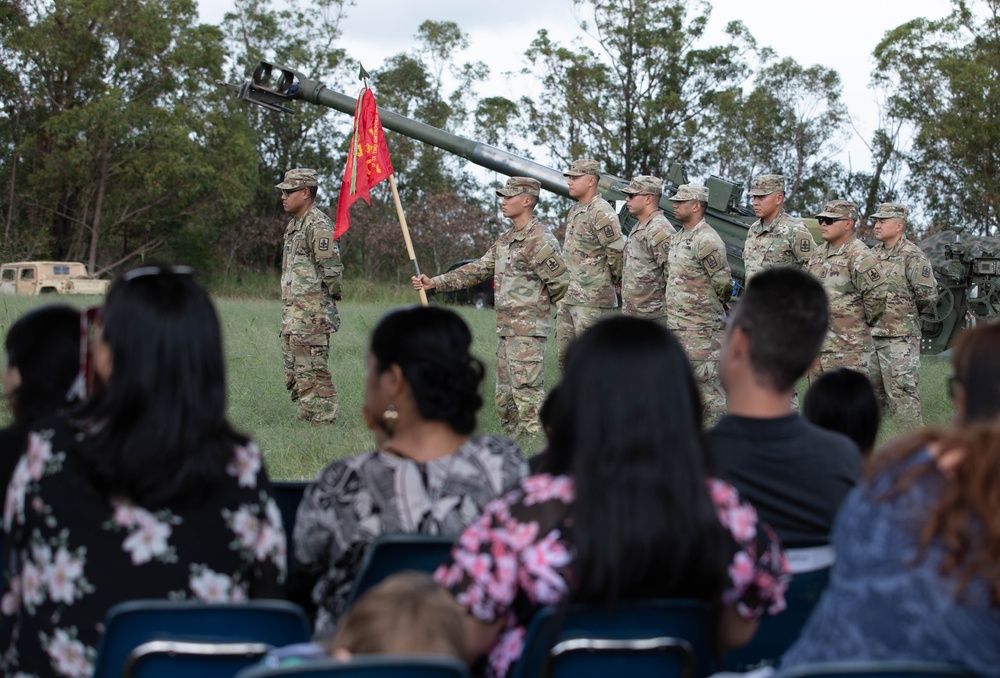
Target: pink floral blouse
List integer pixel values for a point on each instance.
(72, 554)
(511, 553)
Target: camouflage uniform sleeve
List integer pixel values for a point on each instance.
(868, 277)
(659, 244)
(802, 244)
(548, 264)
(326, 253)
(920, 276)
(466, 276)
(609, 233)
(712, 254)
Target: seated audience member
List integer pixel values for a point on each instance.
(408, 613)
(146, 492)
(844, 401)
(916, 577)
(628, 510)
(42, 351)
(794, 473)
(429, 474)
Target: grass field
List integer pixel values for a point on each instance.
(260, 406)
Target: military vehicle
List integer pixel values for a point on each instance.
(31, 278)
(963, 279)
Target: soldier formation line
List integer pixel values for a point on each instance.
(680, 278)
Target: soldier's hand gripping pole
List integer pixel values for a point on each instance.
(406, 235)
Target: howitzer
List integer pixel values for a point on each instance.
(274, 87)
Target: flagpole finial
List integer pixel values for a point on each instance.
(363, 74)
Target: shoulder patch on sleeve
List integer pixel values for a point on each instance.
(803, 245)
(551, 259)
(711, 258)
(870, 269)
(323, 243)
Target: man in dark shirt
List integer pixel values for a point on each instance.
(793, 472)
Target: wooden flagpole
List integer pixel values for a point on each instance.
(406, 235)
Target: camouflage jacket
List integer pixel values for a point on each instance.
(593, 253)
(912, 290)
(529, 277)
(699, 284)
(311, 275)
(644, 273)
(783, 242)
(857, 290)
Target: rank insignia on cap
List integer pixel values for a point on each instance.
(324, 244)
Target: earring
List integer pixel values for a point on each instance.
(389, 418)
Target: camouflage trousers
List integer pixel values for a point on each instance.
(520, 383)
(828, 362)
(895, 372)
(307, 376)
(571, 321)
(713, 398)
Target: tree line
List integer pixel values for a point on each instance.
(117, 142)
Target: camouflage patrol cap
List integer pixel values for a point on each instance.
(890, 210)
(691, 192)
(298, 178)
(519, 185)
(766, 184)
(840, 209)
(582, 166)
(644, 184)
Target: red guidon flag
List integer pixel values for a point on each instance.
(367, 163)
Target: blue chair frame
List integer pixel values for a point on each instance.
(659, 638)
(367, 666)
(393, 553)
(131, 624)
(874, 669)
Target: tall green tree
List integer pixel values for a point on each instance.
(945, 79)
(638, 95)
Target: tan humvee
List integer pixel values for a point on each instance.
(31, 278)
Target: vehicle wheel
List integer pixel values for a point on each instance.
(480, 301)
(47, 290)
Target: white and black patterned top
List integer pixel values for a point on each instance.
(357, 499)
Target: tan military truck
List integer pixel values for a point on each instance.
(31, 278)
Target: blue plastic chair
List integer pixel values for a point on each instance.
(288, 495)
(661, 638)
(874, 669)
(245, 629)
(776, 634)
(367, 666)
(392, 553)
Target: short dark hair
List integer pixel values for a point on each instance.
(44, 346)
(161, 434)
(313, 190)
(533, 202)
(844, 401)
(976, 364)
(627, 427)
(785, 314)
(432, 346)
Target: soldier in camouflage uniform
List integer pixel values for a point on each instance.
(529, 276)
(776, 238)
(644, 273)
(311, 275)
(856, 286)
(912, 292)
(593, 253)
(699, 285)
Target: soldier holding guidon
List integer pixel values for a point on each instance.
(644, 272)
(699, 285)
(912, 292)
(856, 286)
(311, 275)
(776, 238)
(529, 277)
(592, 249)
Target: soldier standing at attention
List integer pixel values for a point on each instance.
(529, 277)
(593, 252)
(699, 285)
(912, 292)
(855, 284)
(311, 275)
(776, 238)
(644, 273)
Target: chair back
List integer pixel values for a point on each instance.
(875, 669)
(392, 553)
(129, 625)
(661, 638)
(367, 666)
(288, 495)
(172, 658)
(777, 633)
